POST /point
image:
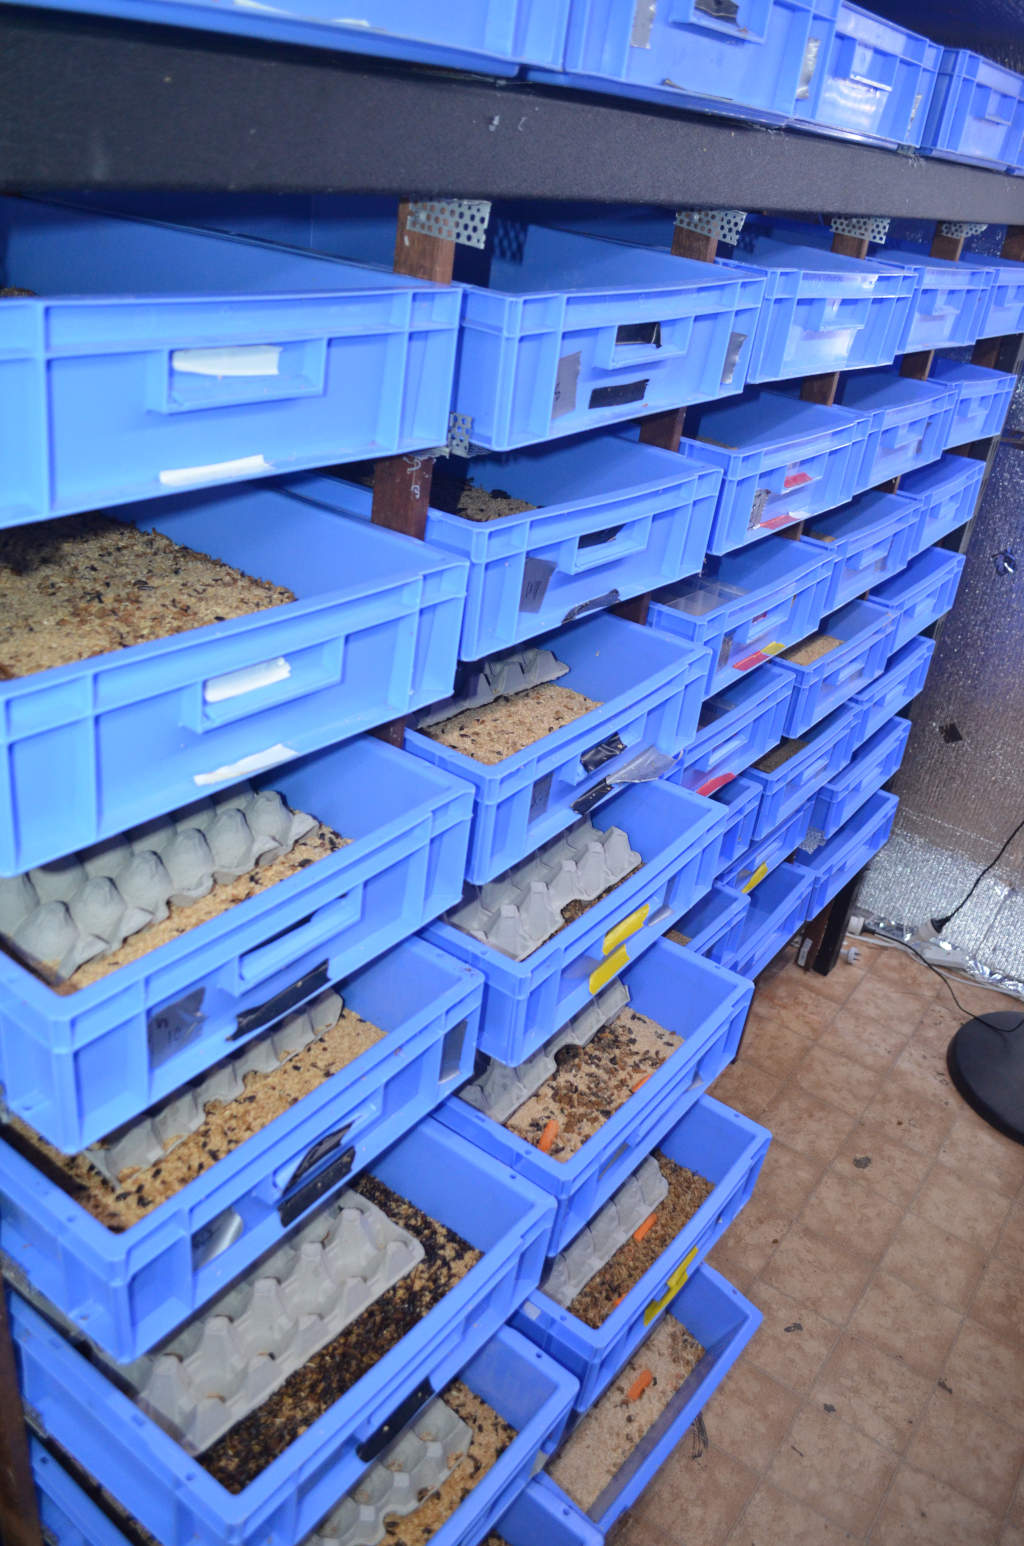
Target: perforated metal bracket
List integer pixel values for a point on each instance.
(724, 225)
(871, 228)
(452, 220)
(960, 230)
(460, 426)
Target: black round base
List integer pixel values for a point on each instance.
(986, 1063)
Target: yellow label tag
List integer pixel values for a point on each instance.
(608, 969)
(672, 1287)
(757, 877)
(614, 938)
(772, 649)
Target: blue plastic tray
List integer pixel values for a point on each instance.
(833, 864)
(714, 926)
(984, 399)
(69, 1517)
(870, 767)
(945, 493)
(871, 538)
(866, 633)
(96, 746)
(77, 1065)
(748, 605)
(950, 300)
(726, 1148)
(922, 593)
(823, 311)
(614, 519)
(723, 1322)
(128, 1290)
(768, 852)
(827, 748)
(649, 689)
(1004, 307)
(495, 37)
(909, 422)
(742, 800)
(749, 61)
(875, 83)
(779, 904)
(782, 460)
(525, 1002)
(575, 331)
(157, 359)
(738, 725)
(977, 111)
(681, 991)
(156, 1481)
(519, 1382)
(902, 679)
(542, 1515)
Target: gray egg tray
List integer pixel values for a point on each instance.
(87, 904)
(596, 1244)
(501, 676)
(500, 1090)
(522, 908)
(409, 1470)
(226, 1361)
(159, 1131)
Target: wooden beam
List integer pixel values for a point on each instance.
(401, 484)
(665, 429)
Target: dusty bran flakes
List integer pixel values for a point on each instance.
(249, 1447)
(592, 1082)
(686, 1192)
(497, 730)
(84, 585)
(318, 842)
(227, 1126)
(779, 755)
(811, 649)
(615, 1425)
(490, 1438)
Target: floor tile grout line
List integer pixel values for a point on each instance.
(900, 1457)
(804, 1398)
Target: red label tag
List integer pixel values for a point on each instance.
(796, 480)
(716, 783)
(780, 520)
(751, 660)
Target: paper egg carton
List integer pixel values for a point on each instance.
(522, 908)
(596, 1244)
(61, 915)
(415, 1465)
(226, 1361)
(158, 1131)
(500, 1090)
(481, 682)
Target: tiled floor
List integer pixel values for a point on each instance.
(882, 1400)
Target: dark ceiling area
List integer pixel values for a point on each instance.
(991, 27)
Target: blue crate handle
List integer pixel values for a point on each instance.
(234, 375)
(742, 20)
(613, 353)
(859, 62)
(578, 554)
(844, 313)
(247, 690)
(999, 108)
(255, 966)
(717, 754)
